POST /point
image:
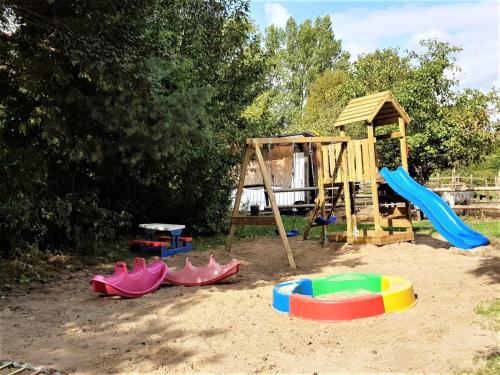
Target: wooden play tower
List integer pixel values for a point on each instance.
(373, 111)
(342, 163)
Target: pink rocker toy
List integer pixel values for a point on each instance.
(146, 279)
(142, 280)
(196, 276)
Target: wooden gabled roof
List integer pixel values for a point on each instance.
(375, 108)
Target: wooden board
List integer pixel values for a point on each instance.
(358, 160)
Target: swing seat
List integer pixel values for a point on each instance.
(322, 221)
(290, 233)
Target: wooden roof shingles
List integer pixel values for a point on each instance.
(371, 108)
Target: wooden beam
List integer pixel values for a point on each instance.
(388, 136)
(321, 192)
(373, 177)
(241, 183)
(389, 121)
(277, 216)
(298, 139)
(402, 143)
(345, 180)
(395, 223)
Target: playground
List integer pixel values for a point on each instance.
(209, 329)
(185, 315)
(240, 187)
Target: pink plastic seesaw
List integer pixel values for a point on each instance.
(146, 279)
(142, 280)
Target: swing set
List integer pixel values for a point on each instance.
(342, 163)
(253, 147)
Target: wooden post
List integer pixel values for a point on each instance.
(268, 187)
(237, 200)
(310, 220)
(345, 180)
(347, 193)
(321, 188)
(403, 144)
(373, 177)
(404, 163)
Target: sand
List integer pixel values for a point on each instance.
(231, 327)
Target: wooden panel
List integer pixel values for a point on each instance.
(337, 154)
(366, 160)
(395, 223)
(253, 220)
(359, 160)
(352, 166)
(326, 170)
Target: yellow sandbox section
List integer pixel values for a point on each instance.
(397, 293)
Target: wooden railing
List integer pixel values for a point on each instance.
(358, 161)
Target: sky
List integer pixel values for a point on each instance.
(364, 26)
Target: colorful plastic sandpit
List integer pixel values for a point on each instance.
(344, 296)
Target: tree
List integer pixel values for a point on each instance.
(328, 95)
(448, 127)
(296, 56)
(120, 111)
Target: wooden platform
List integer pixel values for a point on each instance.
(385, 239)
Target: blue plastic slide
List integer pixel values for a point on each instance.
(439, 213)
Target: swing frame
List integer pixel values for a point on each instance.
(253, 147)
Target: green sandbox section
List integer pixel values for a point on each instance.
(347, 283)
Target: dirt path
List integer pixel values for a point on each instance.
(232, 328)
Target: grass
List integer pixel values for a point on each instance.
(490, 228)
(491, 311)
(491, 367)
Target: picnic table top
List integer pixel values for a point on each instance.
(161, 226)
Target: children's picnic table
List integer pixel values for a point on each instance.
(169, 233)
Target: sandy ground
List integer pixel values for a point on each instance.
(231, 328)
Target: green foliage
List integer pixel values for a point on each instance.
(488, 168)
(295, 56)
(328, 95)
(117, 112)
(448, 127)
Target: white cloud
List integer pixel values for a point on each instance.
(472, 26)
(276, 14)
